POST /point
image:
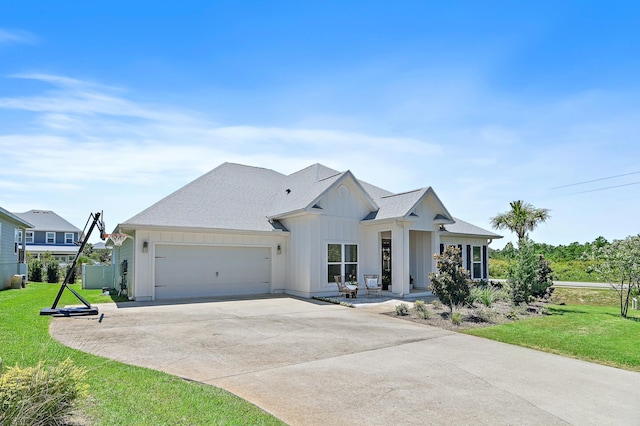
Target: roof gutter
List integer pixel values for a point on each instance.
(133, 227)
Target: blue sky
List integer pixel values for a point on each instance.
(114, 106)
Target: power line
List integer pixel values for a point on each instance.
(608, 187)
(596, 180)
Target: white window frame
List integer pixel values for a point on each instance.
(20, 236)
(16, 232)
(28, 236)
(68, 238)
(343, 262)
(476, 262)
(46, 240)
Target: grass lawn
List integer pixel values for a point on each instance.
(589, 328)
(120, 394)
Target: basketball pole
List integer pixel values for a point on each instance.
(87, 309)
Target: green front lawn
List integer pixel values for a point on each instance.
(120, 394)
(592, 333)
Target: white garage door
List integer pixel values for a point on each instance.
(200, 271)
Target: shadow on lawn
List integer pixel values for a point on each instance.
(560, 310)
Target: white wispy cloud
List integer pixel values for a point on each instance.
(16, 37)
(89, 135)
(95, 143)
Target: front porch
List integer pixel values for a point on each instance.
(405, 259)
(386, 296)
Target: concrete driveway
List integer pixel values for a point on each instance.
(311, 363)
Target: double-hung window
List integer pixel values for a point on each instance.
(342, 259)
(68, 237)
(51, 237)
(476, 265)
(29, 237)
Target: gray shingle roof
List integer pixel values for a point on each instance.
(239, 197)
(46, 220)
(231, 196)
(460, 227)
(14, 218)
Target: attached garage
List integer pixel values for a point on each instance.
(186, 271)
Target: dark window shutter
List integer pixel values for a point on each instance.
(468, 257)
(441, 249)
(485, 263)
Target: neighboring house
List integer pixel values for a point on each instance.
(246, 230)
(50, 233)
(12, 259)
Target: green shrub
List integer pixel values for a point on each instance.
(421, 309)
(485, 295)
(486, 314)
(530, 275)
(451, 283)
(35, 270)
(402, 309)
(498, 268)
(436, 304)
(39, 395)
(53, 272)
(73, 276)
(456, 317)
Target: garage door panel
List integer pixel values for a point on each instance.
(200, 271)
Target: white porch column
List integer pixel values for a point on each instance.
(400, 262)
(397, 250)
(406, 270)
(435, 248)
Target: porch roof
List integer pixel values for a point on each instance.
(460, 227)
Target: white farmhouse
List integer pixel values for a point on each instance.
(241, 230)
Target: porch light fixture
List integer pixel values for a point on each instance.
(279, 249)
(145, 246)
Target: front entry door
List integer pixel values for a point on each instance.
(386, 263)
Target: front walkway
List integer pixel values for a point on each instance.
(312, 363)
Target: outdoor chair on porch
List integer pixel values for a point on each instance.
(347, 289)
(371, 284)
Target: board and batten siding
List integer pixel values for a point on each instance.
(8, 256)
(125, 252)
(145, 267)
(337, 221)
(421, 261)
(425, 212)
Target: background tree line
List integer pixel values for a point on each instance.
(560, 253)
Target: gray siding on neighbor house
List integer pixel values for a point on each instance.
(8, 255)
(40, 238)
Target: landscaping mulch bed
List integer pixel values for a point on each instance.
(474, 316)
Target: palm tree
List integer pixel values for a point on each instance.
(522, 218)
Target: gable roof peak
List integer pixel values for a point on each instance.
(405, 193)
(315, 172)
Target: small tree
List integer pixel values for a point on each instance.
(51, 267)
(53, 272)
(530, 274)
(619, 264)
(451, 283)
(35, 270)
